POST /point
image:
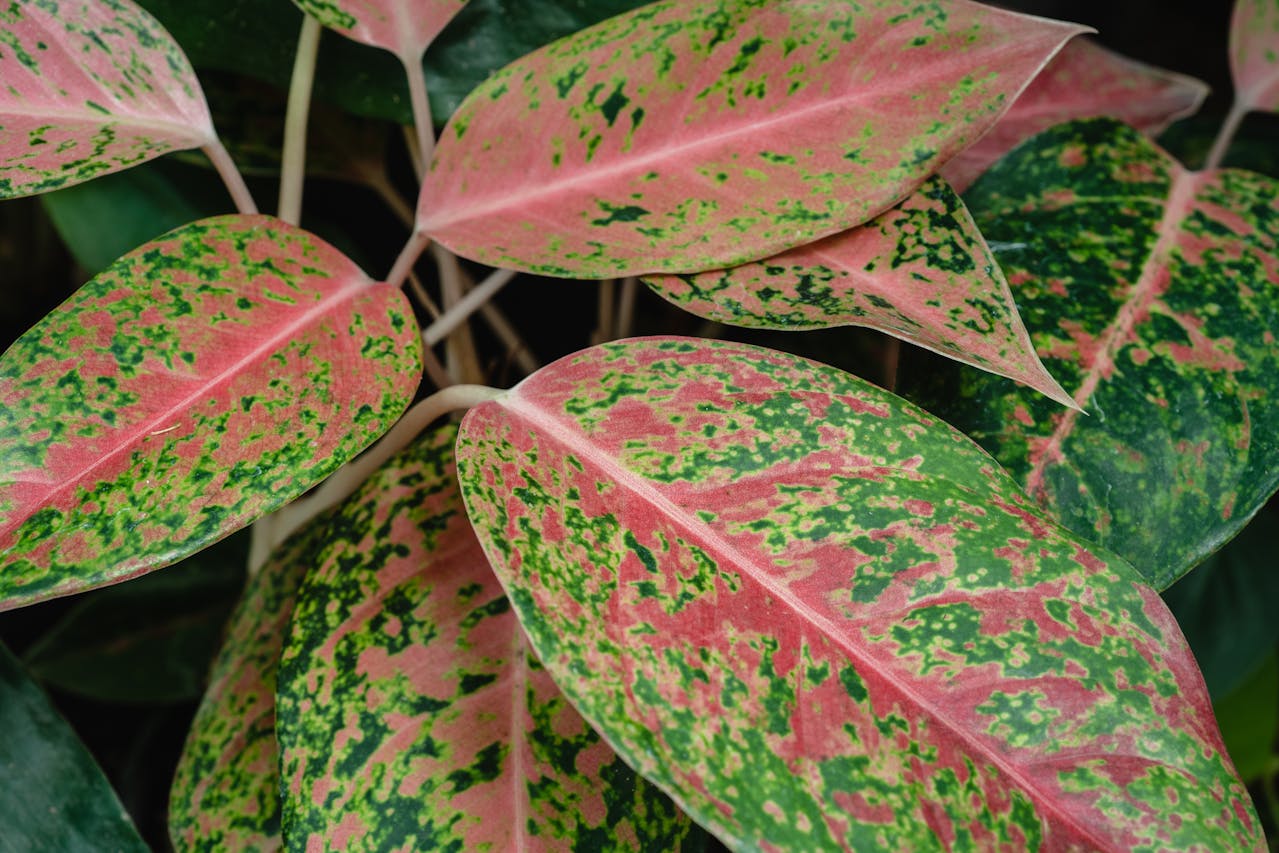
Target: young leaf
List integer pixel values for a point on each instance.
(201, 381)
(1254, 54)
(1084, 80)
(226, 790)
(686, 136)
(1149, 292)
(404, 27)
(90, 87)
(411, 713)
(56, 798)
(823, 619)
(921, 272)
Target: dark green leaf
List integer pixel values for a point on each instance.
(1249, 717)
(55, 797)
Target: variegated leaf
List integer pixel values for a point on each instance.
(412, 715)
(921, 272)
(1254, 54)
(1085, 80)
(1150, 291)
(686, 136)
(201, 381)
(226, 790)
(404, 27)
(90, 87)
(826, 620)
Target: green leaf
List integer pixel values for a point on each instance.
(1249, 719)
(1149, 293)
(150, 640)
(823, 619)
(686, 136)
(921, 272)
(199, 382)
(1226, 606)
(411, 712)
(226, 790)
(90, 88)
(55, 798)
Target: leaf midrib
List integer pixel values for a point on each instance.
(551, 427)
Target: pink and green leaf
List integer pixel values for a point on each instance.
(201, 381)
(1084, 80)
(90, 87)
(226, 790)
(1149, 292)
(411, 712)
(1254, 54)
(823, 619)
(921, 272)
(686, 136)
(404, 27)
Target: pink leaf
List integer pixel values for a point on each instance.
(201, 381)
(1083, 81)
(921, 272)
(823, 619)
(694, 135)
(404, 27)
(1254, 54)
(90, 87)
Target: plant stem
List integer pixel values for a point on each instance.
(626, 307)
(293, 166)
(231, 176)
(892, 358)
(467, 305)
(1226, 135)
(604, 314)
(506, 333)
(408, 257)
(421, 104)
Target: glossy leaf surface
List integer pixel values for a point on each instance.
(199, 382)
(404, 27)
(55, 797)
(1254, 54)
(921, 272)
(1250, 719)
(412, 715)
(823, 618)
(1084, 80)
(226, 790)
(688, 136)
(90, 87)
(1149, 293)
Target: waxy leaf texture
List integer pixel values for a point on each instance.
(404, 27)
(411, 712)
(1149, 291)
(686, 136)
(823, 619)
(1084, 80)
(226, 790)
(201, 381)
(90, 87)
(921, 272)
(1254, 54)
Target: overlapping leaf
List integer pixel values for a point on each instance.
(90, 87)
(404, 27)
(1254, 54)
(688, 136)
(202, 380)
(921, 272)
(1083, 81)
(1149, 292)
(826, 620)
(412, 715)
(226, 790)
(56, 798)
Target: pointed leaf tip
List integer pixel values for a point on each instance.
(688, 136)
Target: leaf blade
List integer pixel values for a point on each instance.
(404, 27)
(597, 166)
(1254, 35)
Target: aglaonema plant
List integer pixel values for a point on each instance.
(670, 592)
